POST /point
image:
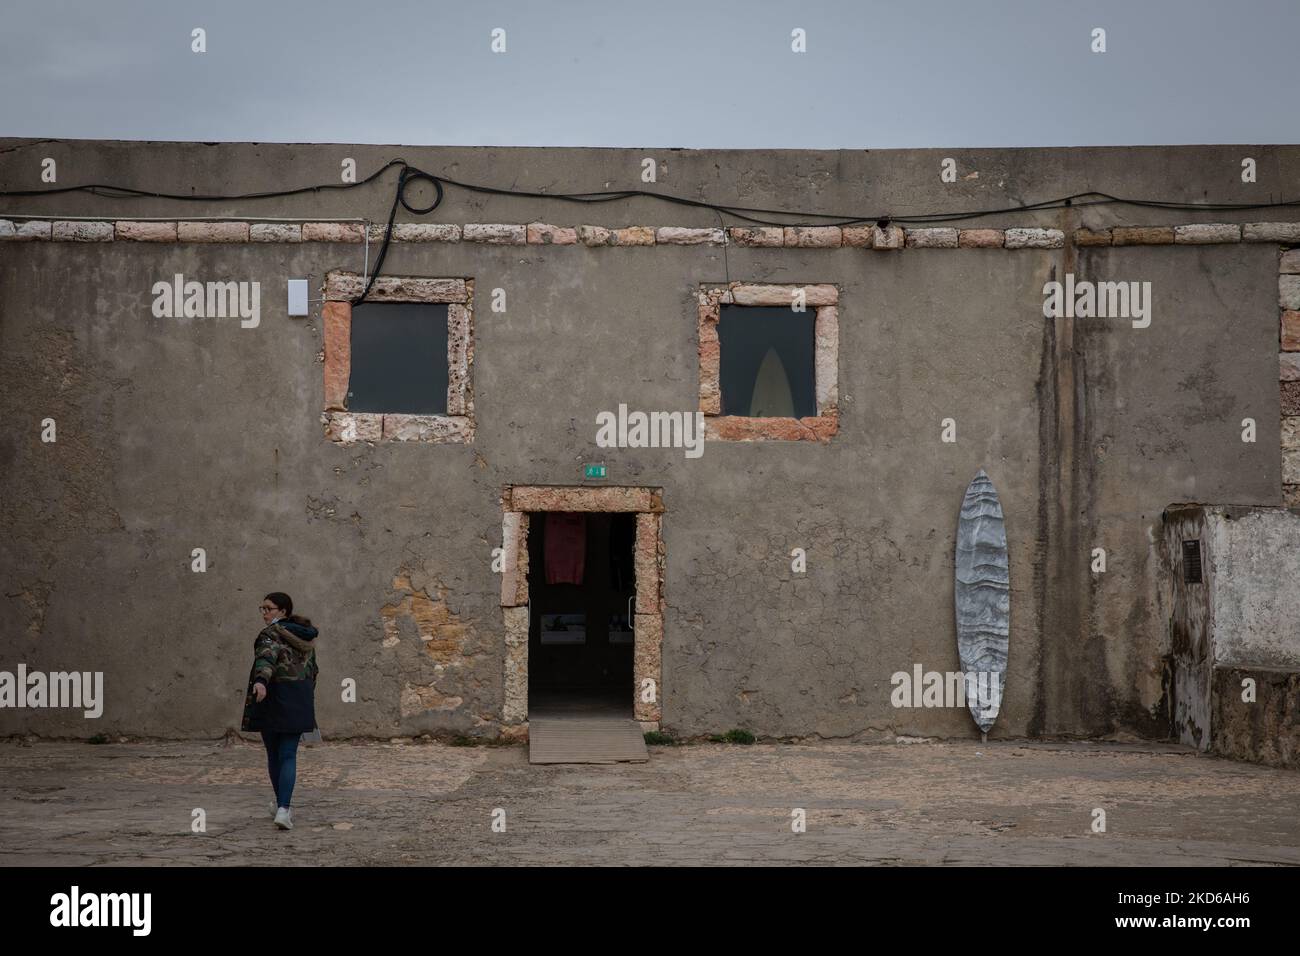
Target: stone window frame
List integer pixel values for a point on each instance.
(343, 426)
(518, 502)
(823, 299)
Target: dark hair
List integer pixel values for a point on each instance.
(285, 603)
(280, 600)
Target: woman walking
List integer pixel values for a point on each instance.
(280, 701)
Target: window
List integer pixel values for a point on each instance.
(397, 366)
(399, 358)
(767, 362)
(769, 358)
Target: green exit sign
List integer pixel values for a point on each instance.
(594, 471)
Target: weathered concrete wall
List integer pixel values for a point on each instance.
(1256, 587)
(1265, 729)
(176, 434)
(1235, 637)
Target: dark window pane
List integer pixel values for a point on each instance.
(399, 358)
(767, 362)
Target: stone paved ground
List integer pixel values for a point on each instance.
(375, 804)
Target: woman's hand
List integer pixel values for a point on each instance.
(259, 691)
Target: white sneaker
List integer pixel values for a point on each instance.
(275, 808)
(282, 818)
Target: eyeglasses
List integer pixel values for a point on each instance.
(264, 608)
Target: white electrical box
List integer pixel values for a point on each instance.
(297, 296)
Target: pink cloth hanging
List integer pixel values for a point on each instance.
(566, 547)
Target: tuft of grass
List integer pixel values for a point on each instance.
(460, 740)
(659, 738)
(736, 736)
(98, 739)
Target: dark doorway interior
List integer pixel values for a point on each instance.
(580, 585)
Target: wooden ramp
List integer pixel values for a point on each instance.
(573, 739)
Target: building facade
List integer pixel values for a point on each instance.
(208, 447)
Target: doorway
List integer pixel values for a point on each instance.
(582, 590)
(524, 509)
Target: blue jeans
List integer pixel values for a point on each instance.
(281, 763)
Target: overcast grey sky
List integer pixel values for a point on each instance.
(663, 73)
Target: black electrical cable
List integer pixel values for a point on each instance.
(407, 176)
(128, 192)
(739, 212)
(410, 175)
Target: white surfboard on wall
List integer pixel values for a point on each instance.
(982, 596)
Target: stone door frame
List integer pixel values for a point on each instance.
(517, 502)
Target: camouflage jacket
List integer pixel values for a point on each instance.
(285, 661)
